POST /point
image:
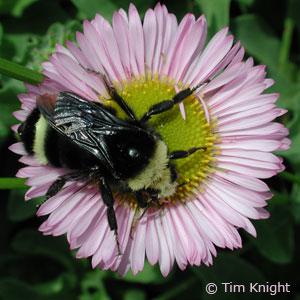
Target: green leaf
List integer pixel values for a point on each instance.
(88, 9)
(295, 199)
(150, 274)
(15, 46)
(280, 198)
(7, 120)
(56, 289)
(93, 287)
(258, 38)
(13, 289)
(227, 271)
(34, 243)
(57, 286)
(15, 7)
(5, 6)
(293, 13)
(246, 2)
(289, 91)
(9, 103)
(19, 210)
(36, 17)
(260, 42)
(46, 278)
(275, 236)
(293, 125)
(20, 6)
(135, 294)
(30, 50)
(19, 72)
(181, 288)
(56, 34)
(216, 12)
(1, 33)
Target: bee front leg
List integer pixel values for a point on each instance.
(166, 105)
(109, 201)
(118, 99)
(183, 153)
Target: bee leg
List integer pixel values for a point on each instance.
(154, 199)
(142, 203)
(59, 183)
(55, 187)
(183, 154)
(146, 205)
(168, 104)
(140, 199)
(109, 200)
(135, 219)
(120, 101)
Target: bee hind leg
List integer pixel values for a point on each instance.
(109, 201)
(59, 183)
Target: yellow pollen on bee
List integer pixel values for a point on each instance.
(140, 93)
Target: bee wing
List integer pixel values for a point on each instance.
(84, 122)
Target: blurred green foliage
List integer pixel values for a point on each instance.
(36, 267)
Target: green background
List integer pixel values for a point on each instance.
(36, 267)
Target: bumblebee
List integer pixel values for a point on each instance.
(87, 138)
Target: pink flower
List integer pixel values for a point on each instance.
(228, 114)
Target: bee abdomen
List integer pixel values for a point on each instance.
(49, 147)
(27, 130)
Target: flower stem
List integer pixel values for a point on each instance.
(289, 176)
(286, 43)
(19, 72)
(7, 183)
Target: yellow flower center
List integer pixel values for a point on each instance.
(178, 134)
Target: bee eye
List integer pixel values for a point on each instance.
(133, 153)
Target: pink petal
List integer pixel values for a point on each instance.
(18, 148)
(152, 242)
(136, 35)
